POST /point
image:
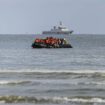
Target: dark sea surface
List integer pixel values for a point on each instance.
(66, 76)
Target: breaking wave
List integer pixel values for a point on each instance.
(59, 73)
(53, 71)
(14, 82)
(50, 71)
(53, 100)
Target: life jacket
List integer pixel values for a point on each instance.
(37, 40)
(47, 41)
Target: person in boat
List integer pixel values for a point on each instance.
(65, 41)
(51, 42)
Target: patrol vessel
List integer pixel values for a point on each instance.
(60, 29)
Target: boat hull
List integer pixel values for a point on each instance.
(40, 45)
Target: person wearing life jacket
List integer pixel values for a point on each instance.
(37, 40)
(65, 41)
(47, 42)
(42, 41)
(59, 41)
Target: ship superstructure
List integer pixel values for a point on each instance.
(60, 29)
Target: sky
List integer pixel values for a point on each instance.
(35, 16)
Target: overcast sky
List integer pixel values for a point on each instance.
(34, 16)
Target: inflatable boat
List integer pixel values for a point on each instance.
(51, 42)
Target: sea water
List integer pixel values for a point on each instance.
(66, 76)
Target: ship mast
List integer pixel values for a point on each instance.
(60, 23)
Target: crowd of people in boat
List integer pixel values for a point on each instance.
(51, 41)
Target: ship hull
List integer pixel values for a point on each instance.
(49, 32)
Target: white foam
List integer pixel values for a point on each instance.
(2, 102)
(4, 82)
(53, 99)
(51, 71)
(93, 100)
(81, 100)
(89, 83)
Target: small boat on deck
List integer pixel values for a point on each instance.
(51, 42)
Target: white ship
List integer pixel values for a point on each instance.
(59, 30)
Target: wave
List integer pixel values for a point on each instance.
(23, 82)
(14, 82)
(50, 71)
(58, 73)
(53, 100)
(90, 83)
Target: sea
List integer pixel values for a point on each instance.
(56, 76)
